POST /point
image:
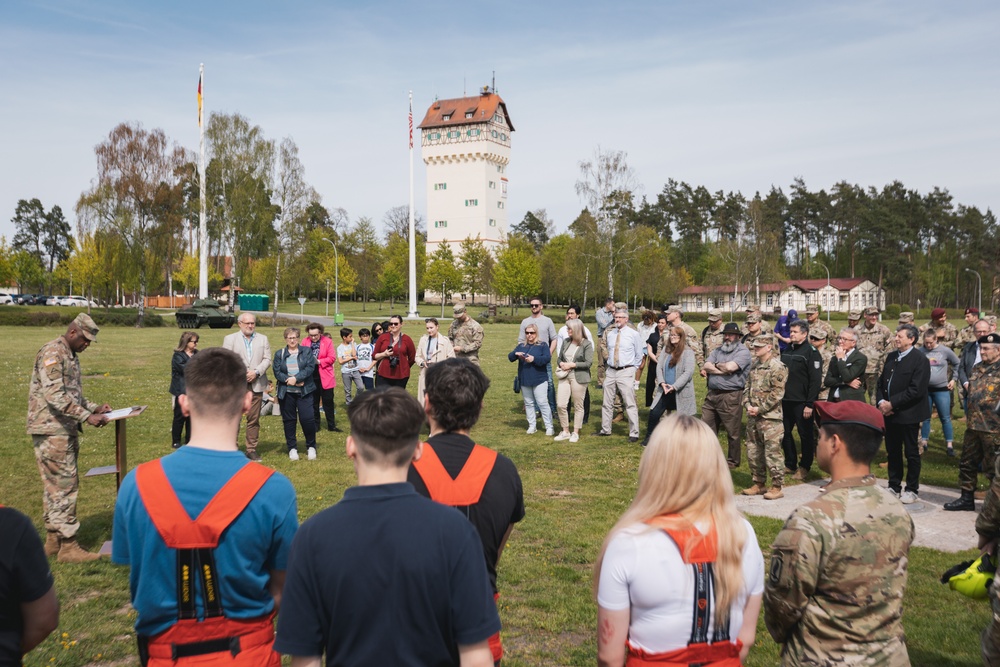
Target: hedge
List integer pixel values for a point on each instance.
(126, 317)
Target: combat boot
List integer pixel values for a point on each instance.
(965, 503)
(71, 552)
(755, 490)
(51, 544)
(774, 493)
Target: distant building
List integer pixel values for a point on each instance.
(465, 144)
(839, 295)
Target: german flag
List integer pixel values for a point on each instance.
(200, 76)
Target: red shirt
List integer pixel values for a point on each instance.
(404, 351)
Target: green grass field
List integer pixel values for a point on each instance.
(573, 494)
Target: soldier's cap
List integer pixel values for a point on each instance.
(459, 308)
(849, 412)
(86, 326)
(993, 338)
(854, 315)
(871, 310)
(906, 316)
(674, 309)
(938, 313)
(752, 308)
(970, 309)
(731, 328)
(811, 308)
(818, 334)
(714, 314)
(763, 340)
(753, 317)
(621, 305)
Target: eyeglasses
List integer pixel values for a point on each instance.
(845, 338)
(291, 337)
(536, 305)
(530, 333)
(393, 324)
(248, 324)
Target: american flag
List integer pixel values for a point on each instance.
(411, 123)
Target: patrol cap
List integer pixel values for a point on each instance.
(621, 305)
(459, 308)
(86, 326)
(818, 334)
(753, 317)
(714, 314)
(993, 338)
(763, 340)
(906, 316)
(811, 308)
(751, 308)
(854, 315)
(674, 309)
(938, 313)
(731, 328)
(871, 310)
(970, 309)
(849, 412)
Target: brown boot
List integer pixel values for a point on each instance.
(51, 544)
(801, 475)
(71, 552)
(774, 493)
(755, 490)
(980, 495)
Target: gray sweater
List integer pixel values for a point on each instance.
(940, 358)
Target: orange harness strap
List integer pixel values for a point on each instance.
(465, 489)
(720, 654)
(176, 528)
(695, 546)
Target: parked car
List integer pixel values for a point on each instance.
(54, 300)
(77, 301)
(6, 299)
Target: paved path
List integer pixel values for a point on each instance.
(935, 528)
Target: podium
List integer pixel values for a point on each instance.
(120, 468)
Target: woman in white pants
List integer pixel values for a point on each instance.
(576, 356)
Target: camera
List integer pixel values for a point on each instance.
(393, 362)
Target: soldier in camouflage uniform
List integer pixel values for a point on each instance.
(762, 400)
(854, 319)
(819, 340)
(988, 527)
(946, 332)
(815, 323)
(834, 591)
(765, 327)
(675, 319)
(711, 336)
(967, 335)
(57, 411)
(874, 340)
(982, 432)
(465, 334)
(754, 330)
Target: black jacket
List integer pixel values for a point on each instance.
(904, 384)
(842, 372)
(805, 373)
(966, 362)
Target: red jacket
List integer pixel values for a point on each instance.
(405, 352)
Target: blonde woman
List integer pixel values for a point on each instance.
(681, 541)
(576, 356)
(432, 348)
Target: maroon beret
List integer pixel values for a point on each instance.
(938, 312)
(849, 412)
(974, 311)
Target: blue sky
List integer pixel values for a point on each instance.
(731, 95)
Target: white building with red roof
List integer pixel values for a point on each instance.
(836, 295)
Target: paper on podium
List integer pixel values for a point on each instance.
(122, 413)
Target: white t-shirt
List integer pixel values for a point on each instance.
(365, 352)
(563, 334)
(344, 351)
(643, 571)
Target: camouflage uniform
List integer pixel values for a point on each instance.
(764, 390)
(834, 591)
(693, 342)
(711, 339)
(873, 343)
(988, 527)
(965, 336)
(982, 434)
(826, 352)
(947, 334)
(467, 338)
(765, 326)
(56, 413)
(823, 325)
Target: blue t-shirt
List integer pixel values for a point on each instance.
(386, 577)
(257, 542)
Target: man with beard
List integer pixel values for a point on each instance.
(726, 371)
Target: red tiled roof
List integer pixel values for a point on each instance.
(482, 107)
(842, 284)
(809, 285)
(728, 289)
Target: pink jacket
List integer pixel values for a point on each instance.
(327, 355)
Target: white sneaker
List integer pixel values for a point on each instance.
(549, 432)
(531, 429)
(562, 436)
(893, 492)
(293, 454)
(311, 454)
(908, 497)
(575, 437)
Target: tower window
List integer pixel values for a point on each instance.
(468, 114)
(440, 223)
(454, 134)
(493, 185)
(495, 134)
(472, 202)
(447, 116)
(499, 204)
(440, 186)
(473, 133)
(493, 222)
(434, 136)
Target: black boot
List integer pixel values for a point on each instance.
(965, 503)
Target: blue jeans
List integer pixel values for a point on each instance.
(940, 399)
(552, 389)
(535, 399)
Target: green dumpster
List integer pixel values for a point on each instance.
(338, 319)
(258, 302)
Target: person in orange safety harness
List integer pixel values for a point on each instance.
(680, 576)
(206, 589)
(455, 471)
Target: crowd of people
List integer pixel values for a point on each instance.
(680, 578)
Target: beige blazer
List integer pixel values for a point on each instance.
(260, 355)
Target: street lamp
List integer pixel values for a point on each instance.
(979, 288)
(336, 280)
(827, 287)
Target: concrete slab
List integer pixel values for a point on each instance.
(935, 528)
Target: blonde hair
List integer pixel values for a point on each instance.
(575, 328)
(683, 472)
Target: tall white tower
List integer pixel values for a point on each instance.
(465, 144)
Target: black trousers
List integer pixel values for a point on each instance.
(329, 409)
(181, 423)
(667, 403)
(298, 406)
(901, 442)
(385, 383)
(792, 417)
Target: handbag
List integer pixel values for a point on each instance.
(562, 374)
(517, 384)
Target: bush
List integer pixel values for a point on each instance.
(24, 317)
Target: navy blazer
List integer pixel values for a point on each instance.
(904, 384)
(304, 378)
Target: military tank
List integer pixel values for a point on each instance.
(204, 311)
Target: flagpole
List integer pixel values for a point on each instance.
(203, 226)
(413, 239)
